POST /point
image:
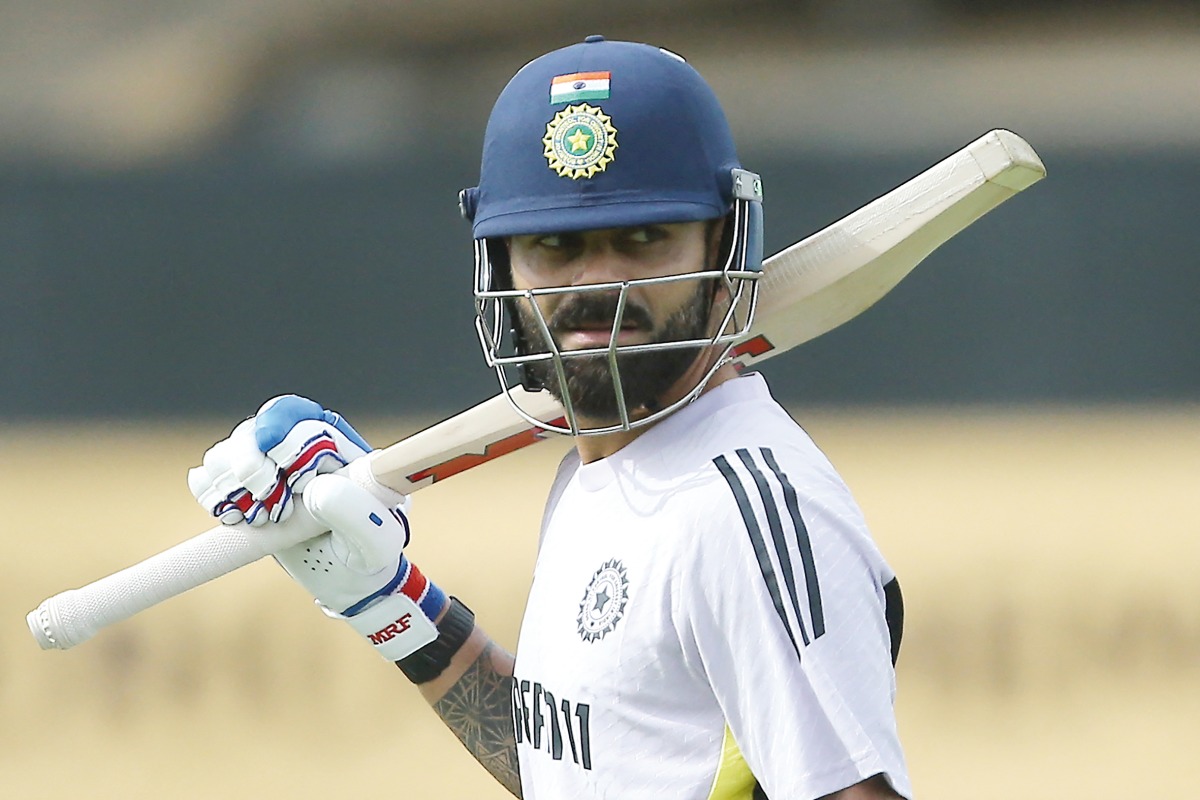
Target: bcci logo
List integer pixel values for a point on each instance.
(603, 602)
(579, 141)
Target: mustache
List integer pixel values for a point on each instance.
(597, 310)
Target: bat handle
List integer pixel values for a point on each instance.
(76, 615)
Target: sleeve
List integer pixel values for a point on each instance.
(566, 469)
(783, 604)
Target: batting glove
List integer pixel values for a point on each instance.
(255, 473)
(357, 571)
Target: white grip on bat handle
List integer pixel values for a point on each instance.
(74, 616)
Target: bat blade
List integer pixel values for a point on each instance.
(837, 273)
(808, 289)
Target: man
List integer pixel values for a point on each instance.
(709, 616)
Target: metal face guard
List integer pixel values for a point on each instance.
(495, 325)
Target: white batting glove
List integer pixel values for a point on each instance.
(358, 571)
(254, 474)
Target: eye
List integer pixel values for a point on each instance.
(558, 241)
(646, 234)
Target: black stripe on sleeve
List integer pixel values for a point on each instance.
(776, 525)
(756, 539)
(815, 610)
(893, 613)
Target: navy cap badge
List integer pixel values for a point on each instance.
(580, 141)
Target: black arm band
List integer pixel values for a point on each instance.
(431, 660)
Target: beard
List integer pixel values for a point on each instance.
(645, 375)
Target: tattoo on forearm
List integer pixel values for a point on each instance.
(478, 708)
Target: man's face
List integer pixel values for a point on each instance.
(672, 311)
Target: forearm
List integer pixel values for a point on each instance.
(473, 696)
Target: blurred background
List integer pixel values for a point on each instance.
(207, 203)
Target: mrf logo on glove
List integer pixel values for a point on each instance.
(395, 626)
(395, 629)
(373, 586)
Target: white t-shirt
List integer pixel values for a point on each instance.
(707, 619)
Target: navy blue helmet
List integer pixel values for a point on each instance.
(651, 144)
(605, 134)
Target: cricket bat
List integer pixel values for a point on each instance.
(806, 290)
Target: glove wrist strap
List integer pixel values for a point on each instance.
(431, 660)
(396, 626)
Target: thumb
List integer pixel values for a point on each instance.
(366, 535)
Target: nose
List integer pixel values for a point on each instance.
(600, 262)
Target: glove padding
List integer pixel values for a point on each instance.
(254, 474)
(358, 571)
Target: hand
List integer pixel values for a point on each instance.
(357, 571)
(269, 458)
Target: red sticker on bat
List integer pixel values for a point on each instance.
(466, 461)
(755, 347)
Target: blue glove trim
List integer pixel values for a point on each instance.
(273, 425)
(431, 602)
(335, 419)
(388, 588)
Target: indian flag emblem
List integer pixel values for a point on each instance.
(579, 142)
(579, 86)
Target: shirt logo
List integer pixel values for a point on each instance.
(579, 142)
(603, 602)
